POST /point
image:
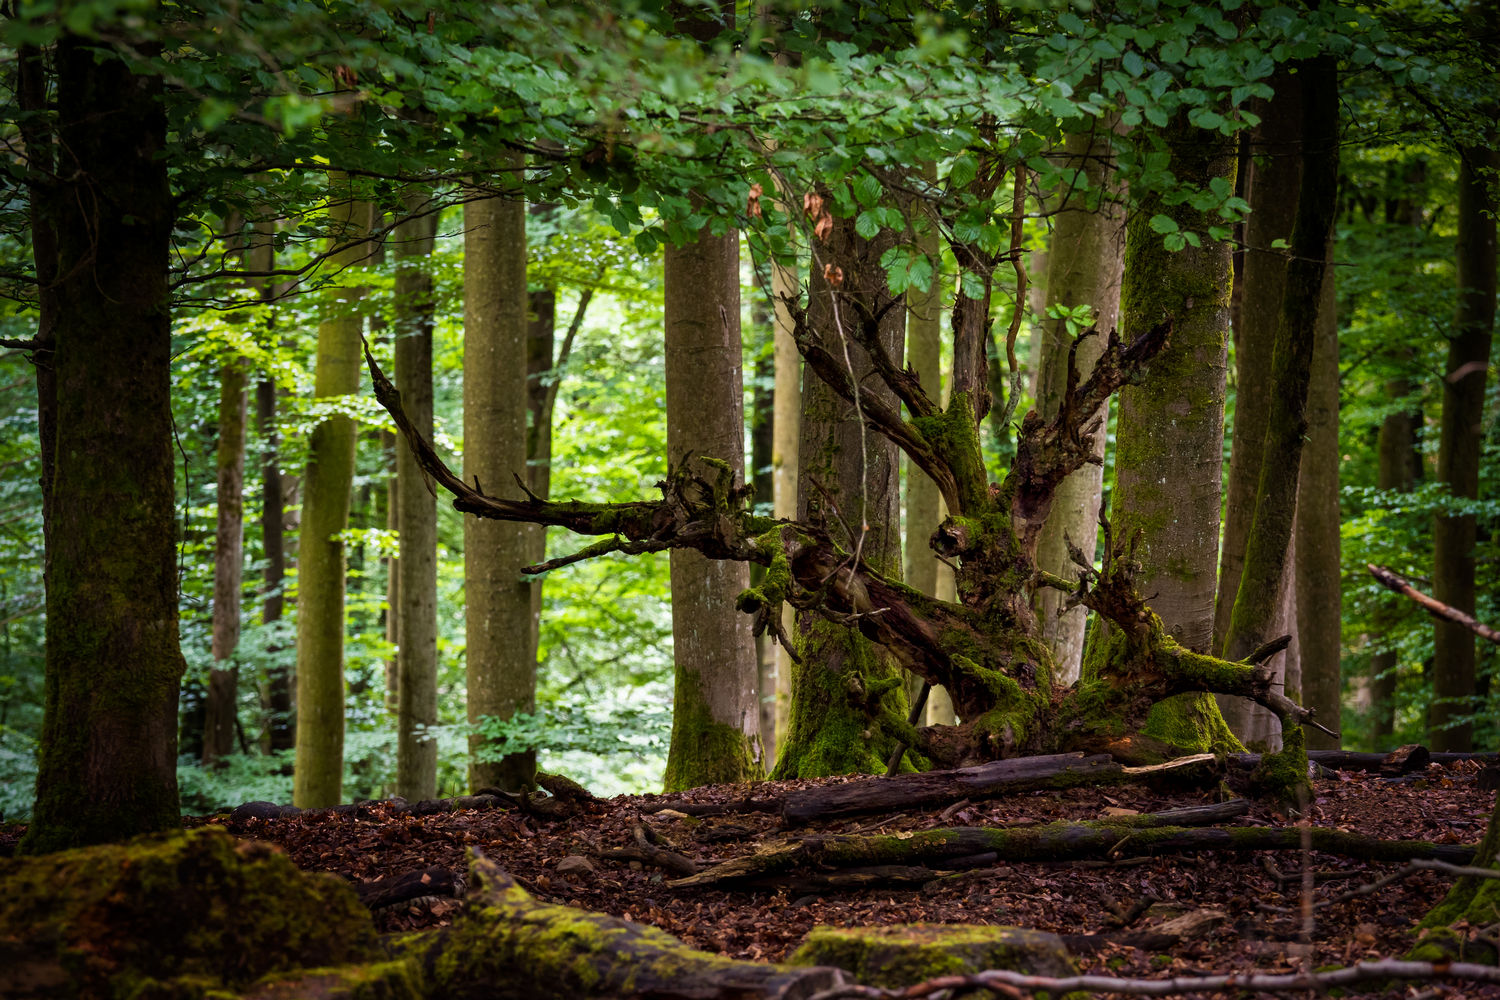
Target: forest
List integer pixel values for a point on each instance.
(704, 499)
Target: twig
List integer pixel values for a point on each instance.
(1019, 984)
(1391, 581)
(1405, 871)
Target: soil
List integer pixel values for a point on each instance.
(1260, 893)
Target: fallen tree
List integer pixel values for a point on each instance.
(985, 648)
(966, 846)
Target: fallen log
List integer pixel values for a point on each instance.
(507, 944)
(1062, 841)
(1403, 760)
(1000, 777)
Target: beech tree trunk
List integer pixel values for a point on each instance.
(414, 609)
(786, 425)
(1085, 265)
(715, 712)
(1170, 438)
(1272, 155)
(501, 678)
(1467, 368)
(848, 482)
(1317, 539)
(106, 766)
(221, 710)
(319, 774)
(1260, 599)
(924, 354)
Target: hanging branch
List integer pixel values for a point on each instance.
(1391, 581)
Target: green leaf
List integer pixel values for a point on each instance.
(1163, 224)
(867, 189)
(867, 225)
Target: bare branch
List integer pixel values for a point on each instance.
(1019, 984)
(1447, 612)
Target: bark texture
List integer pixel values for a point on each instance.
(1317, 540)
(414, 609)
(1465, 374)
(1271, 157)
(786, 425)
(1260, 600)
(229, 556)
(318, 778)
(715, 711)
(924, 355)
(1085, 266)
(501, 678)
(848, 482)
(1169, 445)
(106, 765)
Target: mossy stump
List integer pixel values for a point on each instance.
(904, 955)
(179, 914)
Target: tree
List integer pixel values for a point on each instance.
(222, 710)
(1085, 263)
(319, 771)
(415, 611)
(715, 705)
(848, 486)
(1169, 444)
(1273, 167)
(501, 676)
(1465, 373)
(1266, 555)
(107, 765)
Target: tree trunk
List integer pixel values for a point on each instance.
(1169, 444)
(762, 472)
(715, 717)
(229, 554)
(1317, 543)
(106, 767)
(501, 678)
(415, 608)
(1454, 536)
(786, 425)
(924, 502)
(1271, 152)
(847, 482)
(1086, 260)
(1260, 600)
(318, 778)
(1399, 461)
(541, 382)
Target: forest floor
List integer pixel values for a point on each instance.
(1104, 897)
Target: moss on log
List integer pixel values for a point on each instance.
(199, 908)
(904, 955)
(201, 916)
(1061, 841)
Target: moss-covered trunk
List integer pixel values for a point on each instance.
(414, 606)
(501, 678)
(1273, 175)
(715, 712)
(847, 692)
(1169, 446)
(107, 760)
(1267, 552)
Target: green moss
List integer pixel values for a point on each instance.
(848, 707)
(706, 751)
(903, 955)
(1282, 776)
(1192, 723)
(182, 911)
